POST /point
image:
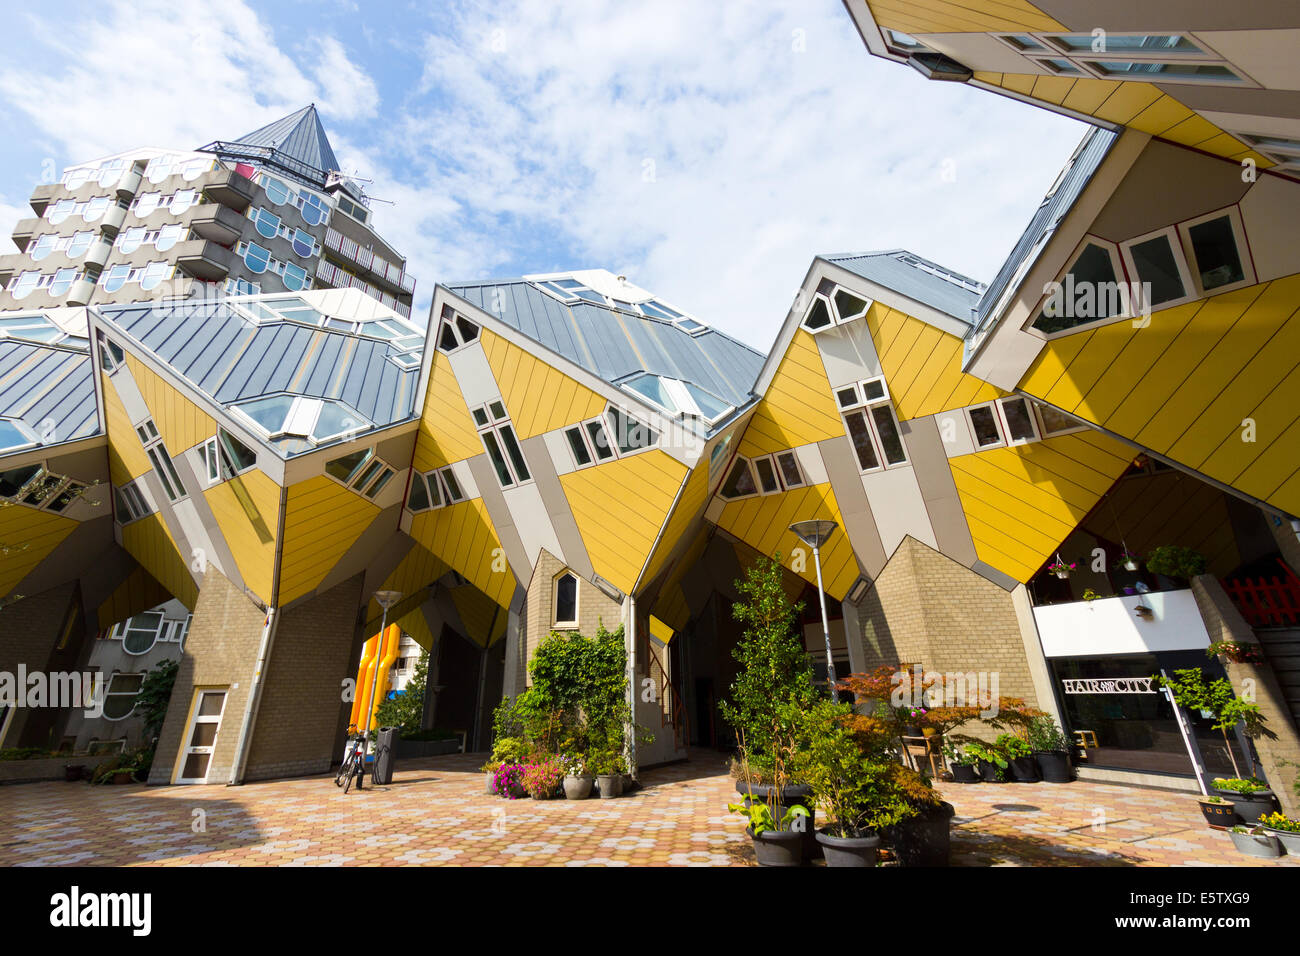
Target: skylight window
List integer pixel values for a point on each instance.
(14, 435)
(677, 397)
(320, 420)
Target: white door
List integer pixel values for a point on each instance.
(201, 737)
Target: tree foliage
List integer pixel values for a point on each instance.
(406, 710)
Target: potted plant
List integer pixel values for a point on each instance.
(990, 760)
(1255, 841)
(777, 842)
(1127, 560)
(962, 763)
(1061, 568)
(542, 779)
(1286, 830)
(607, 767)
(924, 838)
(510, 780)
(1252, 799)
(1020, 758)
(1050, 747)
(1217, 811)
(577, 781)
(1192, 690)
(1238, 652)
(1175, 561)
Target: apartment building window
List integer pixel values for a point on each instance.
(566, 599)
(455, 331)
(498, 435)
(72, 246)
(361, 471)
(131, 503)
(162, 462)
(359, 213)
(138, 634)
(119, 697)
(271, 226)
(162, 238)
(589, 442)
(1152, 57)
(1215, 242)
(629, 434)
(778, 472)
(178, 202)
(834, 305)
(434, 490)
(1156, 259)
(1055, 422)
(1007, 421)
(33, 485)
(225, 456)
(740, 481)
(1091, 289)
(871, 424)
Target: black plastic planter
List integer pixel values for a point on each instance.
(1250, 806)
(792, 794)
(849, 851)
(1054, 766)
(964, 773)
(1024, 770)
(991, 772)
(923, 840)
(778, 847)
(1219, 814)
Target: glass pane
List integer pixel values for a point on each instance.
(599, 440)
(256, 258)
(1215, 248)
(379, 484)
(1201, 71)
(1090, 291)
(118, 706)
(240, 454)
(515, 452)
(863, 446)
(847, 397)
(196, 767)
(986, 426)
(205, 734)
(1055, 421)
(270, 413)
(480, 417)
(276, 191)
(629, 433)
(211, 702)
(447, 338)
(651, 387)
(267, 223)
(818, 316)
(468, 330)
(789, 469)
(740, 482)
(1020, 423)
(849, 305)
(578, 446)
(873, 390)
(419, 497)
(498, 460)
(334, 420)
(890, 440)
(450, 485)
(1156, 264)
(712, 406)
(766, 474)
(566, 599)
(344, 468)
(1138, 43)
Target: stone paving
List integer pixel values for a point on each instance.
(436, 813)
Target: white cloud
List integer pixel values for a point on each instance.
(347, 91)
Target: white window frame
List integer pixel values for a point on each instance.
(781, 476)
(998, 426)
(121, 628)
(108, 692)
(1122, 276)
(873, 432)
(1005, 425)
(195, 719)
(830, 314)
(740, 461)
(497, 426)
(448, 319)
(555, 601)
(835, 309)
(163, 466)
(1043, 430)
(1170, 234)
(757, 474)
(1233, 215)
(137, 505)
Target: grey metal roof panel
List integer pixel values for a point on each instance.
(1073, 179)
(914, 277)
(299, 135)
(49, 389)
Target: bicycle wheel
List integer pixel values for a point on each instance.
(352, 772)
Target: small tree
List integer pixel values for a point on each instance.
(406, 710)
(1193, 691)
(154, 695)
(774, 668)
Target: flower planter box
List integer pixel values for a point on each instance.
(1054, 766)
(1024, 769)
(407, 749)
(1250, 806)
(1290, 840)
(1219, 814)
(849, 851)
(778, 847)
(1262, 845)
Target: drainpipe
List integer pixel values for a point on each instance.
(254, 698)
(630, 748)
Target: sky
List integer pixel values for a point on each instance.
(707, 151)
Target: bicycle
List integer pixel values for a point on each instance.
(354, 761)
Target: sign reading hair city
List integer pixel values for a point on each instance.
(1109, 685)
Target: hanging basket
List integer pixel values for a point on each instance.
(1062, 574)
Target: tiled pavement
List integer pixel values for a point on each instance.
(436, 813)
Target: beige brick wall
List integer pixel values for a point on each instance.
(537, 619)
(929, 610)
(220, 652)
(302, 706)
(30, 630)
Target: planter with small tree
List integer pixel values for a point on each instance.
(1050, 748)
(1193, 691)
(1176, 562)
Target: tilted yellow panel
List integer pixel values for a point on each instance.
(1022, 502)
(180, 422)
(126, 457)
(151, 544)
(484, 619)
(322, 520)
(620, 507)
(27, 536)
(1184, 385)
(247, 509)
(672, 607)
(447, 433)
(1148, 511)
(462, 535)
(139, 592)
(763, 523)
(538, 397)
(969, 16)
(922, 365)
(414, 623)
(797, 408)
(416, 571)
(694, 497)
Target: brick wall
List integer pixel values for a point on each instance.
(302, 700)
(537, 619)
(929, 610)
(30, 630)
(220, 652)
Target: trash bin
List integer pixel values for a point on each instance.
(385, 756)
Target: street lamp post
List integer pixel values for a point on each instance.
(385, 599)
(815, 534)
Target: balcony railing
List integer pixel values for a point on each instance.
(1267, 602)
(390, 272)
(340, 278)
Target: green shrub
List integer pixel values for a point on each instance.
(1175, 561)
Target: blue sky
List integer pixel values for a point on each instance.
(706, 150)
